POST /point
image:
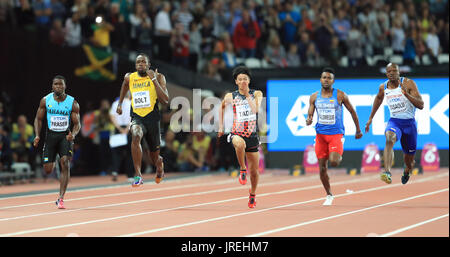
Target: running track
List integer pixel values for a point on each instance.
(215, 205)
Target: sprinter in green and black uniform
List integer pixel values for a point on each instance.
(61, 110)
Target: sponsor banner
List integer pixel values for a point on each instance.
(293, 102)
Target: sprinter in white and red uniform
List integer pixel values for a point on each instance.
(244, 134)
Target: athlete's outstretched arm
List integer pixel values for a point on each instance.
(75, 116)
(123, 92)
(226, 100)
(311, 109)
(352, 111)
(160, 85)
(40, 114)
(376, 104)
(411, 92)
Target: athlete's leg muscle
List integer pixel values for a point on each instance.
(253, 164)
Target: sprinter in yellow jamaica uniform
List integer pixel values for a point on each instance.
(147, 88)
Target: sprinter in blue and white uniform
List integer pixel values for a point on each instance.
(61, 111)
(402, 98)
(329, 141)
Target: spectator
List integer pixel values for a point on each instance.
(102, 7)
(183, 15)
(229, 56)
(420, 46)
(367, 16)
(322, 38)
(90, 138)
(87, 20)
(58, 10)
(425, 22)
(57, 33)
(377, 35)
(409, 54)
(140, 26)
(433, 45)
(104, 128)
(292, 57)
(163, 30)
(24, 14)
(188, 158)
(5, 150)
(245, 36)
(206, 32)
(443, 33)
(200, 143)
(272, 23)
(42, 11)
(195, 39)
(289, 19)
(439, 8)
(170, 151)
(119, 35)
(275, 53)
(335, 52)
(102, 29)
(399, 13)
(341, 26)
(307, 21)
(22, 137)
(398, 37)
(312, 56)
(121, 154)
(73, 30)
(218, 18)
(355, 45)
(179, 43)
(303, 45)
(211, 69)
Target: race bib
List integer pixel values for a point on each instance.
(326, 116)
(244, 113)
(141, 99)
(59, 123)
(396, 104)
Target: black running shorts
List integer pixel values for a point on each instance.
(56, 143)
(151, 130)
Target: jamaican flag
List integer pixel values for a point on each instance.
(99, 61)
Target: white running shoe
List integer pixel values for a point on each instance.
(329, 200)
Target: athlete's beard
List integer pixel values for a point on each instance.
(58, 94)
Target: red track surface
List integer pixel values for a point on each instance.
(216, 205)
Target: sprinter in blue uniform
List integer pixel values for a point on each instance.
(402, 98)
(60, 110)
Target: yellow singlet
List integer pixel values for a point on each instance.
(143, 94)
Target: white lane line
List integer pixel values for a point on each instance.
(221, 182)
(175, 208)
(287, 181)
(413, 226)
(343, 214)
(272, 208)
(100, 187)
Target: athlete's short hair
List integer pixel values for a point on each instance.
(241, 70)
(145, 55)
(328, 69)
(60, 77)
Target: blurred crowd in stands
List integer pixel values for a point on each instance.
(209, 35)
